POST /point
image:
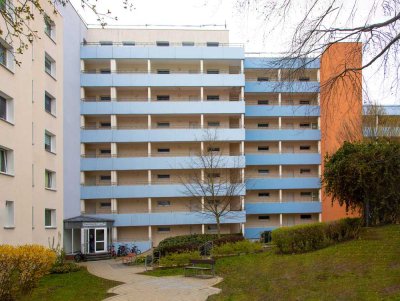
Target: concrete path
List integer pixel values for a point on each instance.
(148, 288)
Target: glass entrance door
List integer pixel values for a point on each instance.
(100, 240)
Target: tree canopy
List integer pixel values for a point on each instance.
(365, 176)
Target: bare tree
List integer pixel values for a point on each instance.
(316, 25)
(215, 182)
(16, 16)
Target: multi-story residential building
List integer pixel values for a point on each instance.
(138, 106)
(31, 134)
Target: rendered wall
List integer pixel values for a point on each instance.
(341, 108)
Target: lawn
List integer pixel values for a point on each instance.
(73, 286)
(364, 269)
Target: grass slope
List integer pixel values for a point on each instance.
(77, 286)
(365, 269)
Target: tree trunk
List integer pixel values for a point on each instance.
(218, 226)
(366, 213)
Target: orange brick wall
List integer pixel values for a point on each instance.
(341, 108)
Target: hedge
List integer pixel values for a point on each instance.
(193, 242)
(178, 259)
(21, 268)
(234, 248)
(310, 237)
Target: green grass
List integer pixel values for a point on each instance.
(364, 269)
(74, 286)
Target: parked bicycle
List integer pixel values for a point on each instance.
(124, 250)
(79, 257)
(111, 250)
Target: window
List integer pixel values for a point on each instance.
(187, 43)
(263, 171)
(49, 142)
(263, 148)
(163, 150)
(105, 124)
(163, 203)
(50, 218)
(305, 216)
(49, 104)
(314, 126)
(304, 125)
(3, 55)
(49, 27)
(213, 149)
(163, 71)
(105, 98)
(305, 147)
(264, 217)
(9, 220)
(212, 228)
(213, 175)
(105, 178)
(304, 102)
(304, 78)
(128, 43)
(163, 124)
(3, 108)
(305, 193)
(263, 79)
(163, 229)
(105, 205)
(163, 97)
(263, 102)
(163, 176)
(213, 123)
(263, 125)
(162, 43)
(305, 170)
(212, 71)
(263, 194)
(105, 43)
(105, 151)
(6, 160)
(49, 179)
(6, 55)
(105, 71)
(212, 97)
(212, 44)
(49, 65)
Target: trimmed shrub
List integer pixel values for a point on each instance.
(310, 237)
(178, 259)
(238, 247)
(192, 242)
(21, 268)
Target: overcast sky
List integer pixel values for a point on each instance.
(244, 27)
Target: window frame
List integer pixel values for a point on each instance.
(50, 180)
(53, 218)
(48, 96)
(7, 159)
(49, 28)
(52, 142)
(9, 221)
(49, 59)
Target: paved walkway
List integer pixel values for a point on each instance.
(148, 288)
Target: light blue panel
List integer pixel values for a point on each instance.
(255, 233)
(171, 218)
(143, 163)
(391, 110)
(286, 207)
(173, 135)
(139, 191)
(283, 111)
(283, 183)
(169, 107)
(282, 87)
(142, 245)
(161, 80)
(283, 135)
(154, 52)
(283, 159)
(280, 63)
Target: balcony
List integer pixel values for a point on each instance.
(283, 183)
(154, 163)
(283, 159)
(161, 80)
(151, 51)
(256, 61)
(171, 218)
(281, 87)
(255, 233)
(285, 207)
(282, 135)
(282, 111)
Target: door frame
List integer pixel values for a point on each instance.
(104, 241)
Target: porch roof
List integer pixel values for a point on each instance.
(83, 221)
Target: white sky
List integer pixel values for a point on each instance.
(244, 27)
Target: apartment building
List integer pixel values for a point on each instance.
(31, 134)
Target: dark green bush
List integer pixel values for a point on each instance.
(310, 237)
(192, 242)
